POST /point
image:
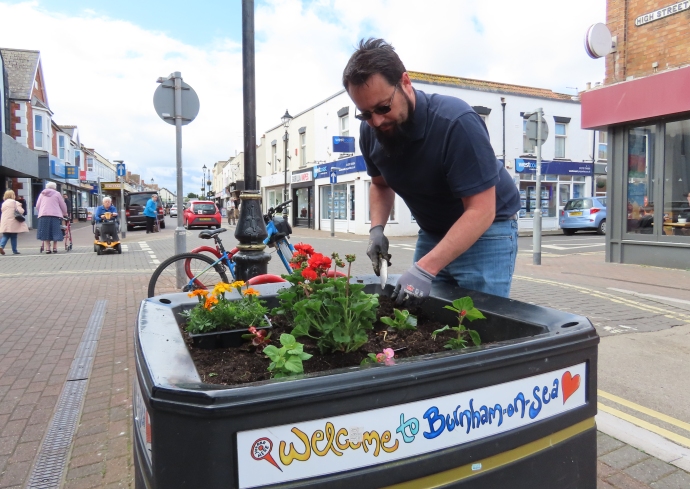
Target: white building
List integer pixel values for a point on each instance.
(567, 153)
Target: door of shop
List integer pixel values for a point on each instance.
(303, 199)
(563, 196)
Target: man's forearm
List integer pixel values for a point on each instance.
(461, 236)
(381, 199)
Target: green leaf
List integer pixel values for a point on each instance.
(412, 321)
(272, 352)
(463, 304)
(305, 356)
(297, 349)
(287, 340)
(387, 320)
(294, 365)
(473, 314)
(475, 337)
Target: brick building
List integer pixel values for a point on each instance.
(643, 108)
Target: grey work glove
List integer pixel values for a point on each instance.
(416, 282)
(377, 248)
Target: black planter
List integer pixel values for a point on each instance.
(517, 413)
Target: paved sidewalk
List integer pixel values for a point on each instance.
(48, 300)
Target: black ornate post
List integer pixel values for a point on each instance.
(251, 229)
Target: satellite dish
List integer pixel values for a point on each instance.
(598, 41)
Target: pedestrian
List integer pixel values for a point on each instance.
(151, 213)
(68, 203)
(22, 202)
(9, 226)
(106, 206)
(232, 217)
(51, 208)
(433, 151)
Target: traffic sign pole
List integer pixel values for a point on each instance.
(180, 233)
(536, 226)
(334, 180)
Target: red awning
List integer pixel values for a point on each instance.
(653, 96)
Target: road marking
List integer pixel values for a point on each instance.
(681, 440)
(678, 316)
(647, 411)
(571, 247)
(650, 296)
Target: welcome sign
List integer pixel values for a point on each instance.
(325, 446)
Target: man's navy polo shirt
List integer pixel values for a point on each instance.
(449, 157)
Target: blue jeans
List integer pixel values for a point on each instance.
(487, 266)
(12, 238)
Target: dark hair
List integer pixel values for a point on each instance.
(371, 57)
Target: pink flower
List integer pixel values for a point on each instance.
(386, 356)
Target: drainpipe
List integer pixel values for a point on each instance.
(503, 104)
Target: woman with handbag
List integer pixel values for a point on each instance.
(11, 222)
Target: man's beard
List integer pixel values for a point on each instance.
(396, 141)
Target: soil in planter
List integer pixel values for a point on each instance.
(231, 366)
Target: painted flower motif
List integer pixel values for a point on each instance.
(309, 274)
(250, 291)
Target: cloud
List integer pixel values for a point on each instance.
(100, 72)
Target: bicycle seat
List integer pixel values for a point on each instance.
(208, 234)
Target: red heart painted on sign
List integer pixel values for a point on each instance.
(570, 384)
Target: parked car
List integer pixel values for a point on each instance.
(134, 209)
(201, 213)
(584, 214)
(173, 211)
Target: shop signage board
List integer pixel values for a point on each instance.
(343, 144)
(111, 185)
(71, 172)
(306, 176)
(57, 168)
(662, 12)
(306, 449)
(554, 167)
(346, 165)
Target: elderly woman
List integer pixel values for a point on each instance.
(9, 226)
(51, 209)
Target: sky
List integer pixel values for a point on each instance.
(101, 60)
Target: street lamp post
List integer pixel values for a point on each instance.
(122, 204)
(203, 183)
(286, 119)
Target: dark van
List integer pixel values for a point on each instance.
(135, 203)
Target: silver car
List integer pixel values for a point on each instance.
(173, 211)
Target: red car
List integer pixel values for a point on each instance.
(201, 213)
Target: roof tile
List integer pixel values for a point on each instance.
(21, 67)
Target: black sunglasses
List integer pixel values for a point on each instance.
(380, 110)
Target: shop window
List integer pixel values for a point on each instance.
(61, 147)
(337, 205)
(77, 158)
(677, 179)
(392, 215)
(38, 131)
(527, 145)
(600, 185)
(640, 179)
(603, 146)
(303, 149)
(345, 125)
(560, 140)
(89, 164)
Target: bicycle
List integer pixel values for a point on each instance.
(184, 272)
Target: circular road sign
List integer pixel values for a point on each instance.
(598, 41)
(164, 102)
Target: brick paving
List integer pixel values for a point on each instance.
(48, 299)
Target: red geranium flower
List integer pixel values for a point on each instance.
(319, 262)
(309, 274)
(304, 248)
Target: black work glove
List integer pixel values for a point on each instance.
(377, 248)
(416, 283)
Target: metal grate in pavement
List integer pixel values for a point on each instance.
(51, 460)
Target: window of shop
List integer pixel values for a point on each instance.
(274, 157)
(640, 179)
(89, 164)
(603, 146)
(339, 202)
(560, 140)
(677, 179)
(303, 149)
(391, 218)
(77, 158)
(274, 197)
(38, 131)
(61, 147)
(345, 125)
(556, 190)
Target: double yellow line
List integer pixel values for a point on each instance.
(681, 440)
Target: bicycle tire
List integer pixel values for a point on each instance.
(164, 278)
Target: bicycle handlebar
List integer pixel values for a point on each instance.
(278, 208)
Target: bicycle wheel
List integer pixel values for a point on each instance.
(191, 266)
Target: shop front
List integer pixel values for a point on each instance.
(649, 167)
(339, 199)
(273, 189)
(302, 183)
(560, 181)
